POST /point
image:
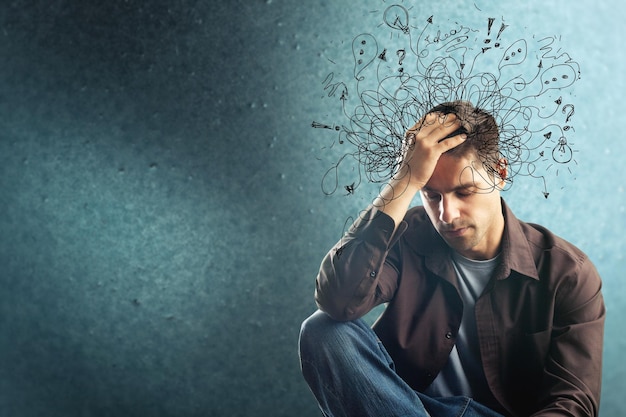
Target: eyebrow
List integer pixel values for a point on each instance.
(459, 187)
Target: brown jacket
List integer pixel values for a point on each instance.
(540, 320)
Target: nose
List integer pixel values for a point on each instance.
(448, 209)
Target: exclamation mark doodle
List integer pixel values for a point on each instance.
(502, 27)
(488, 40)
(489, 24)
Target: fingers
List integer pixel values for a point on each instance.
(452, 141)
(457, 132)
(424, 143)
(436, 127)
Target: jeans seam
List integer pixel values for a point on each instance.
(464, 409)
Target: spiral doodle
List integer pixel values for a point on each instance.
(410, 68)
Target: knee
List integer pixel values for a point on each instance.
(321, 333)
(318, 337)
(315, 328)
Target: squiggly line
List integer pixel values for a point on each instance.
(498, 75)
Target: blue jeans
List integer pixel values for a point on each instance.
(351, 374)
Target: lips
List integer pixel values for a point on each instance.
(455, 232)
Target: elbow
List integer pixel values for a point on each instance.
(339, 310)
(336, 310)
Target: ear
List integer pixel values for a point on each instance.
(502, 169)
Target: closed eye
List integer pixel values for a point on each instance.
(464, 193)
(431, 195)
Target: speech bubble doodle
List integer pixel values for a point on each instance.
(514, 54)
(365, 51)
(401, 71)
(557, 77)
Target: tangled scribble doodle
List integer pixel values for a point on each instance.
(406, 69)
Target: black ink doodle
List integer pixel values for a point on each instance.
(516, 80)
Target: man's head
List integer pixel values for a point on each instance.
(462, 197)
(482, 133)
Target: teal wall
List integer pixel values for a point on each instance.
(162, 214)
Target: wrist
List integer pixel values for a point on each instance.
(403, 179)
(395, 198)
(402, 185)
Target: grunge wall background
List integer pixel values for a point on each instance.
(162, 218)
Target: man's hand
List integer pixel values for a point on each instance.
(424, 144)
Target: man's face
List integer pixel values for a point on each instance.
(463, 203)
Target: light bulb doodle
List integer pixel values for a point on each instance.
(562, 152)
(397, 17)
(519, 80)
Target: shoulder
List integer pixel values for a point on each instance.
(535, 251)
(562, 266)
(542, 240)
(524, 241)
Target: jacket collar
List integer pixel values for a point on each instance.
(517, 256)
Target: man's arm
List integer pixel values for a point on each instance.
(356, 275)
(573, 370)
(423, 146)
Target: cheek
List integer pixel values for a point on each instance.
(489, 212)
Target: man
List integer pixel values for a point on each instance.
(486, 315)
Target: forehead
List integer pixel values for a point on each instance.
(454, 172)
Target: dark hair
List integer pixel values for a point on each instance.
(481, 129)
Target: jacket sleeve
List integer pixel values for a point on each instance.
(573, 368)
(359, 272)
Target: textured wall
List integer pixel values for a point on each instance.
(162, 218)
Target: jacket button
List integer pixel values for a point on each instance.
(373, 274)
(449, 335)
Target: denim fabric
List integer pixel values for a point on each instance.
(351, 374)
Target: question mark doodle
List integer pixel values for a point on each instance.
(396, 83)
(401, 55)
(571, 112)
(569, 115)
